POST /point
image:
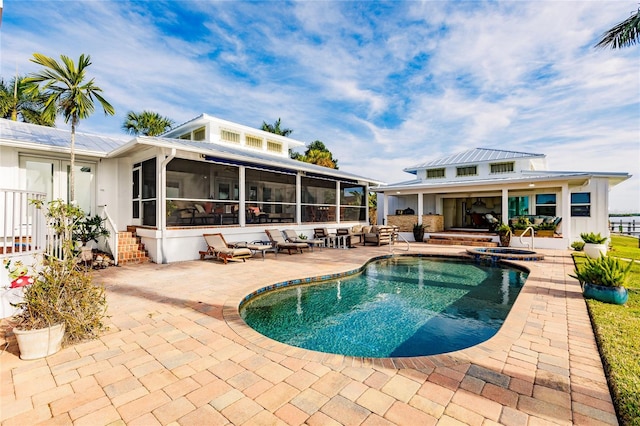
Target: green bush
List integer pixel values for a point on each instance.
(577, 245)
(591, 238)
(605, 271)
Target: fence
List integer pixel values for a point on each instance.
(22, 225)
(629, 226)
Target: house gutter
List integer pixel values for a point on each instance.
(163, 203)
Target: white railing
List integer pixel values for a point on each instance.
(22, 225)
(532, 238)
(110, 243)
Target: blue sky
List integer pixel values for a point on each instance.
(384, 85)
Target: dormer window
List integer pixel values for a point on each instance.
(199, 135)
(253, 141)
(274, 146)
(467, 171)
(502, 167)
(229, 136)
(435, 173)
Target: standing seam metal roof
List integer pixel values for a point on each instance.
(477, 155)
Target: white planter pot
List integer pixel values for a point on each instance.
(34, 344)
(595, 250)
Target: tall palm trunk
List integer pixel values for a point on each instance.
(72, 180)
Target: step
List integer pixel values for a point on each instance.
(460, 242)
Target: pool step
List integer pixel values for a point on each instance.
(461, 240)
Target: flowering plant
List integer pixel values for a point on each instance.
(17, 273)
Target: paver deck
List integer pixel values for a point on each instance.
(177, 353)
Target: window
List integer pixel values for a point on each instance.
(274, 197)
(435, 173)
(199, 134)
(229, 136)
(518, 206)
(546, 204)
(502, 167)
(581, 204)
(253, 142)
(186, 136)
(352, 202)
(318, 199)
(467, 171)
(274, 146)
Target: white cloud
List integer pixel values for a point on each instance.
(384, 85)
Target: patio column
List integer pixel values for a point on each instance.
(420, 207)
(338, 201)
(298, 198)
(242, 209)
(385, 208)
(566, 214)
(505, 206)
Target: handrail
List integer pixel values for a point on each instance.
(395, 235)
(532, 237)
(112, 239)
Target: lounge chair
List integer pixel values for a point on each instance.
(379, 235)
(291, 236)
(218, 248)
(278, 240)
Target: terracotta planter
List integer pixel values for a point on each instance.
(545, 233)
(505, 239)
(34, 344)
(613, 295)
(594, 251)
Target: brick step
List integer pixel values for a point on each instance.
(460, 237)
(460, 242)
(130, 249)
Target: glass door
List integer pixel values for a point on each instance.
(135, 194)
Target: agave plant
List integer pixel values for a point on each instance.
(604, 271)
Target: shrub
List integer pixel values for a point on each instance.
(605, 271)
(577, 245)
(591, 238)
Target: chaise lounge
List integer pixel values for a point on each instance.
(280, 243)
(218, 248)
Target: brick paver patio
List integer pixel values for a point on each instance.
(178, 353)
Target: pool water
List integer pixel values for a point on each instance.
(397, 307)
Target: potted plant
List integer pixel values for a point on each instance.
(577, 245)
(63, 305)
(504, 232)
(418, 232)
(545, 230)
(522, 224)
(603, 279)
(88, 229)
(594, 244)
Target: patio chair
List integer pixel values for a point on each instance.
(278, 240)
(291, 236)
(218, 248)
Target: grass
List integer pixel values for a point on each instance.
(617, 330)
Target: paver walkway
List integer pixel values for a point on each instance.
(176, 353)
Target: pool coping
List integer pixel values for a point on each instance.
(496, 346)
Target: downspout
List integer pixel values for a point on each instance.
(163, 203)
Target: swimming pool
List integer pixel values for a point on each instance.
(396, 307)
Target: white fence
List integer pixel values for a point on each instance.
(22, 226)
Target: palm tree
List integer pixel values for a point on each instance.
(16, 102)
(625, 34)
(67, 93)
(275, 128)
(146, 123)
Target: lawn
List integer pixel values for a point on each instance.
(617, 330)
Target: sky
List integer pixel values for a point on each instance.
(385, 85)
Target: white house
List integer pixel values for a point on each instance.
(457, 192)
(206, 175)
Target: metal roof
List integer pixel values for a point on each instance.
(15, 133)
(477, 155)
(524, 177)
(25, 133)
(240, 155)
